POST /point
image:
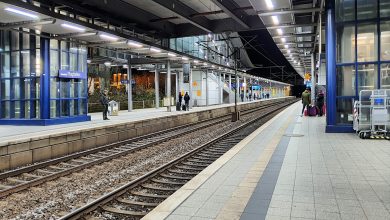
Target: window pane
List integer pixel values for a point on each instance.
(64, 46)
(27, 89)
(64, 88)
(64, 108)
(38, 63)
(345, 44)
(54, 88)
(6, 89)
(26, 41)
(344, 111)
(5, 65)
(16, 89)
(27, 109)
(26, 63)
(14, 40)
(4, 41)
(54, 66)
(367, 76)
(385, 40)
(5, 109)
(366, 9)
(54, 44)
(64, 61)
(385, 76)
(17, 109)
(54, 109)
(82, 107)
(345, 76)
(345, 10)
(15, 72)
(384, 7)
(367, 43)
(73, 61)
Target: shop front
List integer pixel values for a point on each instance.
(43, 81)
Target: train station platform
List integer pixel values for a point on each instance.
(22, 145)
(289, 168)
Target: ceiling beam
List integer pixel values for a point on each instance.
(228, 7)
(295, 35)
(27, 23)
(288, 11)
(185, 12)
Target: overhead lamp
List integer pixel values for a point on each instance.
(204, 64)
(125, 66)
(283, 39)
(20, 12)
(194, 67)
(280, 31)
(275, 19)
(286, 46)
(269, 4)
(184, 58)
(73, 27)
(295, 61)
(155, 50)
(108, 37)
(134, 44)
(196, 61)
(171, 54)
(299, 63)
(107, 63)
(212, 66)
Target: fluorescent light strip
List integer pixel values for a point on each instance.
(184, 58)
(275, 19)
(69, 26)
(21, 13)
(171, 54)
(195, 61)
(283, 39)
(155, 50)
(108, 37)
(134, 44)
(280, 31)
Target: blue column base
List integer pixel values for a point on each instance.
(45, 122)
(339, 129)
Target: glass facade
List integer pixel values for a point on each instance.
(362, 51)
(21, 77)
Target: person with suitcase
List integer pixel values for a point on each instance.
(306, 99)
(187, 102)
(320, 103)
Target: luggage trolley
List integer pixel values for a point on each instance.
(371, 114)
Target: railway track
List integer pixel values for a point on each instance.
(26, 177)
(137, 198)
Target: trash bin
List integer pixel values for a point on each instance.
(113, 108)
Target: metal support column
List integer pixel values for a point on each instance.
(45, 79)
(157, 87)
(220, 85)
(168, 94)
(129, 87)
(230, 81)
(190, 90)
(313, 79)
(207, 87)
(244, 87)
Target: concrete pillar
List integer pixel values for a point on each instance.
(313, 78)
(207, 87)
(190, 90)
(168, 94)
(238, 88)
(177, 86)
(129, 87)
(230, 81)
(156, 87)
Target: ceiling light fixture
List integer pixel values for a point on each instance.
(134, 44)
(70, 26)
(269, 4)
(280, 31)
(107, 63)
(108, 37)
(16, 11)
(155, 50)
(171, 54)
(195, 61)
(184, 58)
(286, 46)
(283, 39)
(275, 19)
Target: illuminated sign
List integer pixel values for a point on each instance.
(70, 74)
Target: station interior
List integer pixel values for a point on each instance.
(195, 109)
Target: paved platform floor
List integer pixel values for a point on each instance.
(14, 132)
(289, 169)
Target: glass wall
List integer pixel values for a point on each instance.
(19, 75)
(363, 51)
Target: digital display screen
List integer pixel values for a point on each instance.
(379, 101)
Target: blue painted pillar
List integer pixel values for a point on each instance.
(45, 79)
(330, 65)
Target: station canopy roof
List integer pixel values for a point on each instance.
(279, 33)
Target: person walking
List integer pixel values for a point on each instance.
(306, 99)
(320, 102)
(187, 101)
(104, 99)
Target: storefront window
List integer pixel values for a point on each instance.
(385, 76)
(384, 6)
(346, 44)
(367, 77)
(385, 40)
(345, 10)
(344, 111)
(367, 43)
(345, 80)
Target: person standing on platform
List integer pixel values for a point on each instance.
(242, 97)
(306, 99)
(104, 100)
(187, 101)
(254, 96)
(180, 98)
(320, 102)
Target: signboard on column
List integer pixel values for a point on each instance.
(186, 72)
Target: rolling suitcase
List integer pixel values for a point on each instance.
(184, 107)
(312, 111)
